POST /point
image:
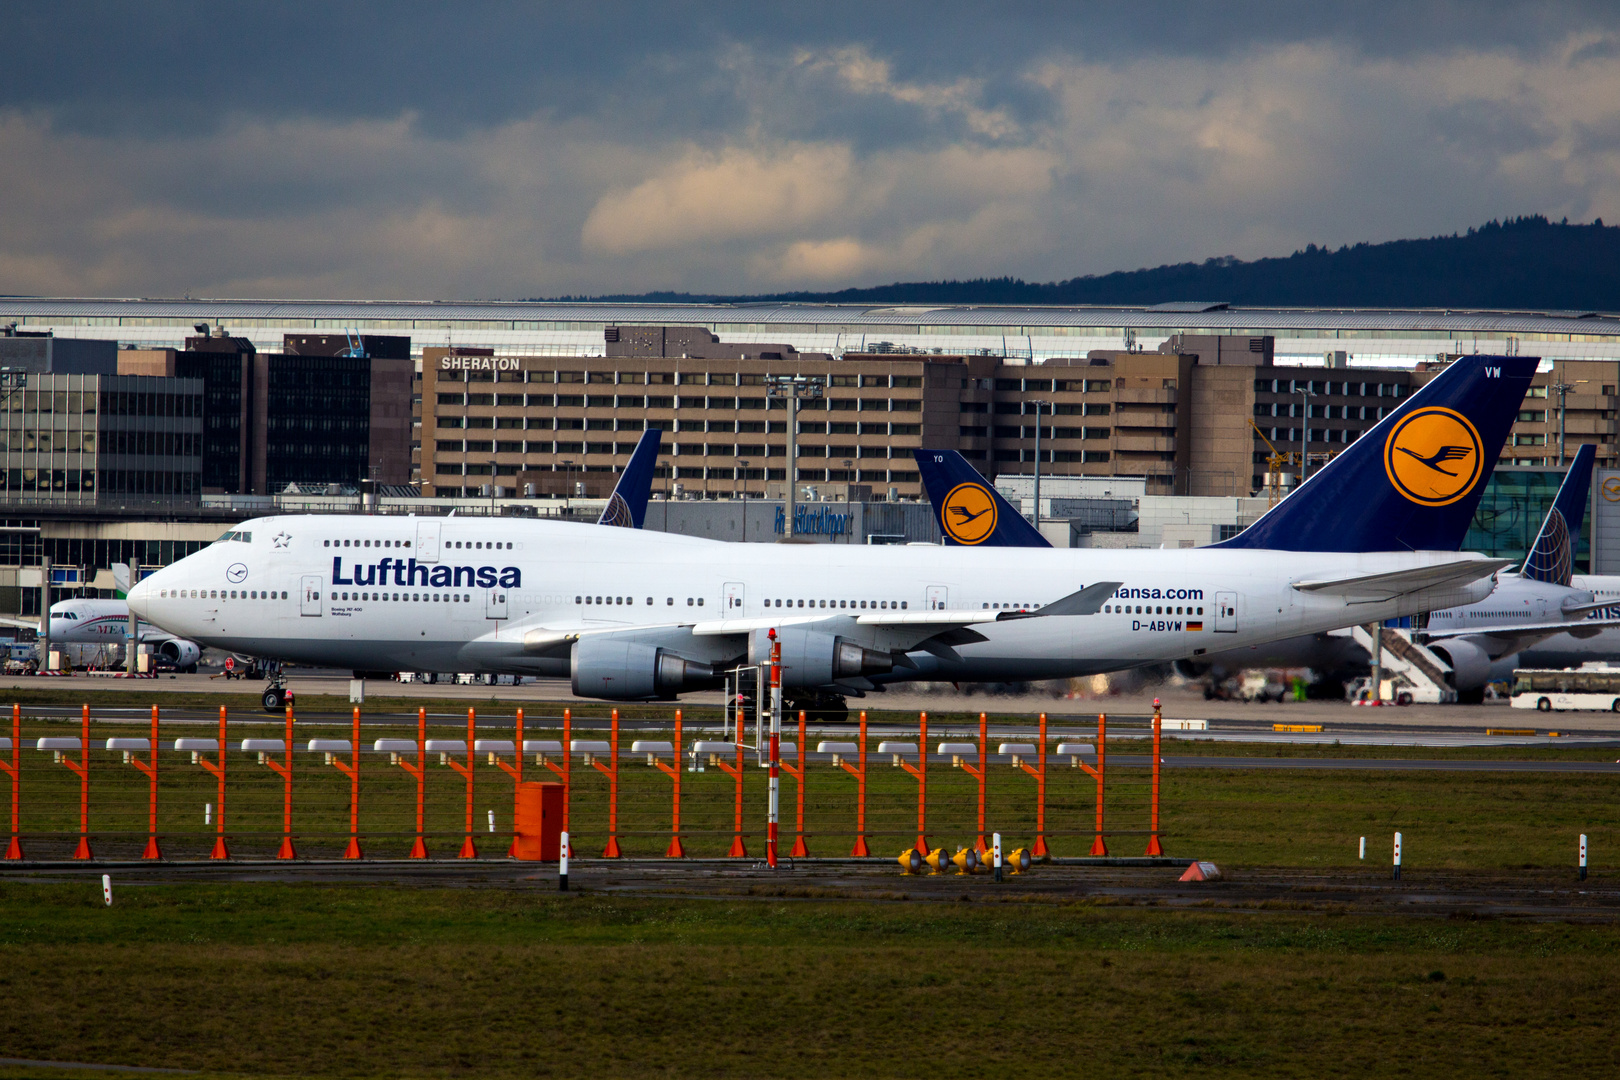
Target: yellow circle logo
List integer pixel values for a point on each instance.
(969, 514)
(1434, 456)
(1611, 489)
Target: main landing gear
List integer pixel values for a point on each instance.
(276, 696)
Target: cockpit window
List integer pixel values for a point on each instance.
(67, 615)
(236, 534)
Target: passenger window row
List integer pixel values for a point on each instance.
(366, 543)
(452, 598)
(220, 594)
(622, 600)
(1148, 609)
(876, 605)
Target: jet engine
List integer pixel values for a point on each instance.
(812, 658)
(620, 670)
(179, 652)
(1470, 664)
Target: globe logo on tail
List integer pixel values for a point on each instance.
(968, 514)
(1433, 456)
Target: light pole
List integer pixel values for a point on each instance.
(493, 470)
(568, 485)
(1038, 405)
(1562, 389)
(792, 388)
(743, 480)
(1305, 440)
(849, 507)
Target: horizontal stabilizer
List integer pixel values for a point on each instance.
(1377, 588)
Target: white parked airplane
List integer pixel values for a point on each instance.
(631, 615)
(88, 621)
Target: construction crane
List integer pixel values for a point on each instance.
(1274, 464)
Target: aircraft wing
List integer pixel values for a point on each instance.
(1514, 637)
(1378, 588)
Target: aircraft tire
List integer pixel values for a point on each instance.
(274, 699)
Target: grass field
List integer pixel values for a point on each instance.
(263, 979)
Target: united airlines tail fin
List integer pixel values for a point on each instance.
(968, 508)
(627, 506)
(1552, 556)
(1412, 482)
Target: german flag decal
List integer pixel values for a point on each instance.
(1195, 625)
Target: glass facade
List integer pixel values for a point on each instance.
(317, 420)
(1511, 511)
(92, 439)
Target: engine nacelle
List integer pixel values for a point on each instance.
(812, 658)
(179, 652)
(1470, 664)
(620, 670)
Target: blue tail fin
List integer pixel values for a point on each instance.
(968, 508)
(1552, 556)
(627, 506)
(1412, 482)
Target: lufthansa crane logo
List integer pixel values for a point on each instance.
(1433, 456)
(969, 514)
(1611, 489)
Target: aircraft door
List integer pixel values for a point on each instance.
(495, 603)
(1226, 613)
(427, 541)
(310, 593)
(939, 598)
(734, 599)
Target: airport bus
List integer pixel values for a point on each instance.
(1583, 688)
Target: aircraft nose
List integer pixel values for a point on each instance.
(139, 595)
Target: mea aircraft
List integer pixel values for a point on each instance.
(631, 615)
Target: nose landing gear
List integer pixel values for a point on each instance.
(276, 696)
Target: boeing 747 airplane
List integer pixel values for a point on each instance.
(631, 615)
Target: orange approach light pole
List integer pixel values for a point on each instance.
(14, 849)
(979, 774)
(1039, 849)
(287, 850)
(419, 771)
(673, 771)
(564, 772)
(920, 771)
(151, 770)
(468, 849)
(859, 773)
(800, 850)
(352, 771)
(221, 851)
(515, 771)
(1098, 847)
(611, 851)
(1154, 847)
(82, 767)
(738, 849)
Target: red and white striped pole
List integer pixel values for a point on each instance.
(776, 750)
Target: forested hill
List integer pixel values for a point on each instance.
(1520, 263)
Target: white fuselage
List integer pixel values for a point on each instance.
(382, 593)
(97, 622)
(1567, 650)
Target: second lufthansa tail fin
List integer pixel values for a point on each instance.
(968, 508)
(627, 506)
(1552, 556)
(1412, 482)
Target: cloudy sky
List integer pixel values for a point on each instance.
(457, 151)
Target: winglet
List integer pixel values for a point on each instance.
(1552, 556)
(627, 506)
(1413, 481)
(968, 508)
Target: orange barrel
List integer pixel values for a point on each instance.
(539, 821)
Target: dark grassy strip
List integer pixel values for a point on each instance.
(317, 981)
